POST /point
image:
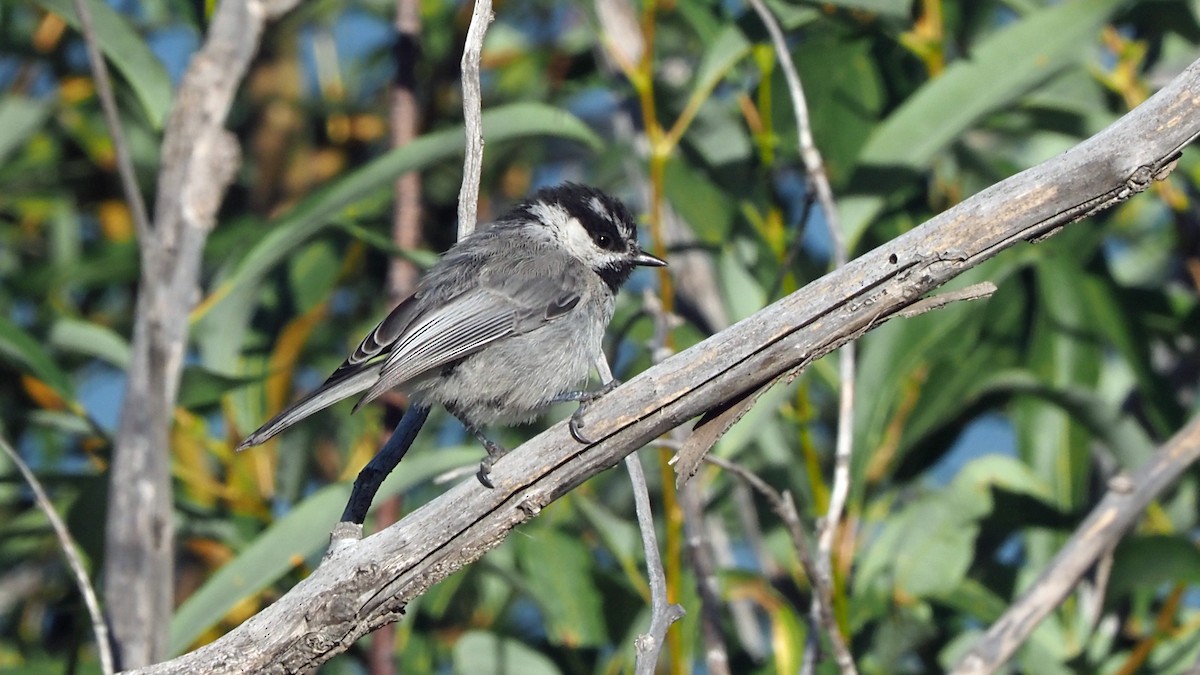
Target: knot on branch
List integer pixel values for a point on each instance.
(1139, 180)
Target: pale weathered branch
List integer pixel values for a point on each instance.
(663, 612)
(74, 561)
(362, 588)
(818, 576)
(199, 158)
(1126, 500)
(468, 195)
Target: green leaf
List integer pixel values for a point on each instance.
(313, 274)
(19, 117)
(481, 653)
(571, 605)
(846, 95)
(723, 53)
(620, 536)
(999, 70)
(128, 52)
(894, 8)
(302, 533)
(791, 15)
(200, 388)
(705, 207)
(979, 476)
(1105, 422)
(90, 339)
(1149, 562)
(27, 353)
(936, 547)
(228, 312)
(929, 545)
(743, 294)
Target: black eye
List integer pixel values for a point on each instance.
(604, 241)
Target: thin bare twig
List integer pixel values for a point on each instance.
(785, 507)
(663, 613)
(819, 182)
(112, 119)
(74, 561)
(972, 292)
(716, 655)
(699, 548)
(468, 195)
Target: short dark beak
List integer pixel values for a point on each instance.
(646, 260)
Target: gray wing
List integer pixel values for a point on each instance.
(356, 374)
(418, 337)
(502, 305)
(380, 338)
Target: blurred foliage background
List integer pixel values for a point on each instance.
(982, 431)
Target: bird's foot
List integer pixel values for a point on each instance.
(494, 452)
(586, 398)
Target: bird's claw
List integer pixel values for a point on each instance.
(585, 400)
(485, 473)
(494, 452)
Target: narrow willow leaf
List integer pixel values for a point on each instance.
(128, 52)
(999, 70)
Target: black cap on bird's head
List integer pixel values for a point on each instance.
(594, 226)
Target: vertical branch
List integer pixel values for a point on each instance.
(818, 182)
(716, 655)
(468, 195)
(199, 158)
(405, 120)
(406, 235)
(663, 612)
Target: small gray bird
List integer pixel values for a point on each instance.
(509, 321)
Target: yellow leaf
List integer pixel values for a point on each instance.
(115, 220)
(42, 394)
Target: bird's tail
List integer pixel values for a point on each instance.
(322, 397)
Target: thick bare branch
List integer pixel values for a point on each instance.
(199, 158)
(367, 586)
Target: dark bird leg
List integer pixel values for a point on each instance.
(585, 399)
(494, 450)
(381, 465)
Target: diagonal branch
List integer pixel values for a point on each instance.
(112, 119)
(71, 551)
(1095, 537)
(368, 586)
